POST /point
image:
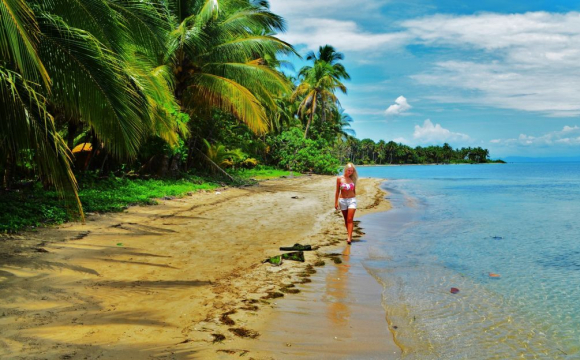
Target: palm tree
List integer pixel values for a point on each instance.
(98, 66)
(343, 127)
(381, 151)
(217, 51)
(391, 149)
(317, 88)
(328, 54)
(319, 84)
(81, 62)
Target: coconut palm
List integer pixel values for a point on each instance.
(92, 69)
(328, 54)
(319, 83)
(217, 51)
(317, 89)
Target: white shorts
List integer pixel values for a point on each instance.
(348, 203)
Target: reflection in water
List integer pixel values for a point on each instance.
(337, 291)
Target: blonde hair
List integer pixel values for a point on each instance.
(354, 176)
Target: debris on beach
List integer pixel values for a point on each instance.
(278, 259)
(274, 260)
(226, 319)
(289, 289)
(218, 338)
(242, 332)
(296, 247)
(454, 290)
(296, 256)
(272, 295)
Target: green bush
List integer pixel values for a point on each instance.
(291, 151)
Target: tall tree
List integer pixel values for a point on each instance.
(217, 51)
(318, 84)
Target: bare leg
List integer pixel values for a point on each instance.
(349, 223)
(345, 215)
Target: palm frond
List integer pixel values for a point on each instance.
(89, 84)
(188, 37)
(93, 16)
(27, 125)
(156, 84)
(243, 48)
(209, 11)
(19, 38)
(259, 79)
(148, 23)
(229, 96)
(253, 18)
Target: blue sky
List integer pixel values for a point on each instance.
(503, 75)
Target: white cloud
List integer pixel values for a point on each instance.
(568, 136)
(344, 35)
(530, 60)
(401, 140)
(399, 107)
(302, 8)
(436, 134)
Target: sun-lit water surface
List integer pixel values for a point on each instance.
(507, 236)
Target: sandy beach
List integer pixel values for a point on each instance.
(185, 279)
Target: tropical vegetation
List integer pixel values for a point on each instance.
(368, 152)
(166, 89)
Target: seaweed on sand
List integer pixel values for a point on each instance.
(218, 338)
(226, 320)
(243, 332)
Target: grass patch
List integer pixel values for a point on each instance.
(35, 206)
(261, 173)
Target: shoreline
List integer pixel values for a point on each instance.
(181, 278)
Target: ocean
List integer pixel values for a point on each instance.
(505, 236)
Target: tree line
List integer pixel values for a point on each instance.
(367, 151)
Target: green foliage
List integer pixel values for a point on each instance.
(368, 152)
(221, 156)
(259, 173)
(292, 151)
(37, 206)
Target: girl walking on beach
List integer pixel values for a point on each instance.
(346, 197)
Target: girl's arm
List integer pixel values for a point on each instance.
(337, 193)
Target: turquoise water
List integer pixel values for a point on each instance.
(454, 226)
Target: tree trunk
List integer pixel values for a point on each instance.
(216, 165)
(311, 116)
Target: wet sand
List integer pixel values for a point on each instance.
(184, 279)
(338, 316)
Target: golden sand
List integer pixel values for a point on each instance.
(185, 279)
